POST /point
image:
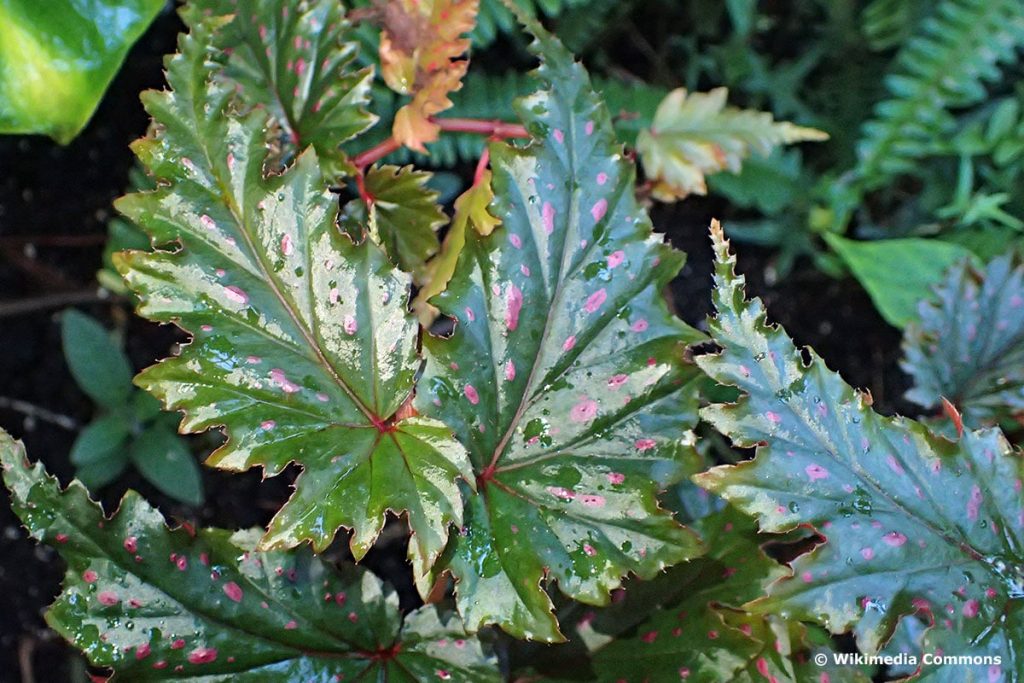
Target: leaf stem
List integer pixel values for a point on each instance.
(491, 129)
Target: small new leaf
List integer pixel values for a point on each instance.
(471, 209)
(154, 603)
(400, 213)
(968, 343)
(420, 44)
(564, 374)
(303, 346)
(913, 522)
(695, 135)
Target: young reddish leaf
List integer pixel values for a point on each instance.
(564, 374)
(913, 522)
(295, 58)
(154, 603)
(419, 48)
(403, 216)
(304, 348)
(968, 343)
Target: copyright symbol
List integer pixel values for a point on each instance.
(821, 659)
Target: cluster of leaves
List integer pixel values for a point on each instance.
(129, 426)
(529, 447)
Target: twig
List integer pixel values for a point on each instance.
(40, 303)
(26, 648)
(38, 412)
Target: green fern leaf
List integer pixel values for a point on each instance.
(945, 66)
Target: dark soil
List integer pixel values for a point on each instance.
(49, 194)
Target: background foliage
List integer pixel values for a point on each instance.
(913, 194)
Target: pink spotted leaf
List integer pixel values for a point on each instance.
(565, 376)
(303, 346)
(154, 603)
(911, 522)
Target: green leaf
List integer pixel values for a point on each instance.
(404, 216)
(295, 58)
(695, 134)
(967, 344)
(912, 522)
(154, 603)
(899, 273)
(470, 210)
(565, 372)
(687, 631)
(98, 473)
(165, 461)
(57, 58)
(101, 438)
(96, 361)
(304, 349)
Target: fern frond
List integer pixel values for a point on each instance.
(494, 18)
(946, 65)
(887, 23)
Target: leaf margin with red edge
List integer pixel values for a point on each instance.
(271, 614)
(537, 497)
(865, 528)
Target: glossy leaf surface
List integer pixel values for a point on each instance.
(564, 374)
(154, 603)
(967, 343)
(303, 346)
(57, 58)
(912, 522)
(295, 58)
(403, 216)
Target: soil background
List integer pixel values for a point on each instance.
(54, 204)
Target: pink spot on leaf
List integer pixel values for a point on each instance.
(616, 478)
(894, 539)
(815, 472)
(202, 655)
(233, 591)
(595, 300)
(584, 411)
(470, 391)
(974, 503)
(513, 305)
(237, 295)
(108, 598)
(602, 178)
(645, 444)
(599, 209)
(547, 213)
(616, 258)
